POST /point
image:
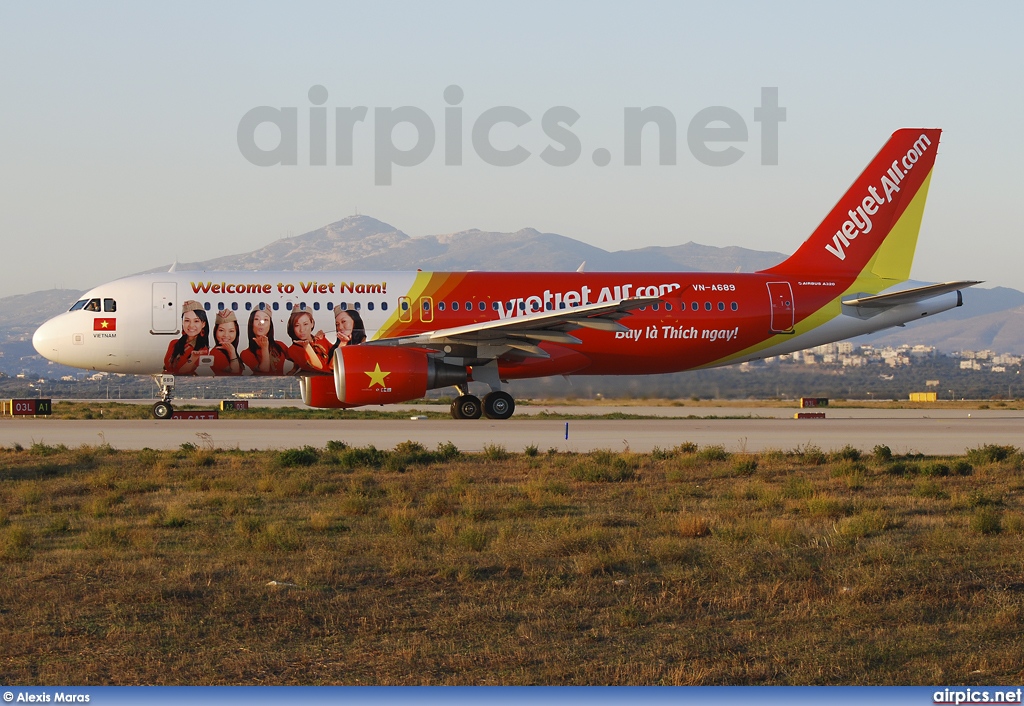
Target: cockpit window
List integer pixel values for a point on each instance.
(78, 305)
(109, 305)
(93, 305)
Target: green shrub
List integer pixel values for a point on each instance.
(810, 454)
(495, 452)
(745, 466)
(603, 469)
(713, 453)
(882, 453)
(990, 453)
(903, 468)
(962, 468)
(306, 456)
(935, 469)
(986, 520)
(847, 453)
(447, 451)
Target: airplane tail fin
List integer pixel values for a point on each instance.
(873, 229)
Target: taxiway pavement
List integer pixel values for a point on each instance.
(931, 434)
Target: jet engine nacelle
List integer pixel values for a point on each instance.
(366, 375)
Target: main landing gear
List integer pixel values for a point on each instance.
(163, 409)
(495, 405)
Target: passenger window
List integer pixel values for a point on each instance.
(358, 306)
(316, 306)
(383, 306)
(330, 305)
(405, 306)
(440, 306)
(369, 306)
(735, 306)
(495, 305)
(694, 306)
(343, 306)
(302, 306)
(455, 306)
(276, 306)
(78, 305)
(248, 306)
(234, 306)
(654, 306)
(206, 305)
(109, 305)
(483, 306)
(668, 307)
(721, 306)
(469, 306)
(288, 306)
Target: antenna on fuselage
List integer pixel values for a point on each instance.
(583, 266)
(174, 267)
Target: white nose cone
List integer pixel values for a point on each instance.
(46, 341)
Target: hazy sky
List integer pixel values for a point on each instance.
(119, 124)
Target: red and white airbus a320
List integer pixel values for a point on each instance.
(361, 338)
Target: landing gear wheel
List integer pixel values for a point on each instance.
(163, 410)
(499, 405)
(466, 407)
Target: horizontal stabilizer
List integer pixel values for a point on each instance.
(907, 296)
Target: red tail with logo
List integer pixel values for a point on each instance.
(869, 212)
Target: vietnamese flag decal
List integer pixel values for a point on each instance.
(104, 324)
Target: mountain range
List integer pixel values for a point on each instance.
(990, 318)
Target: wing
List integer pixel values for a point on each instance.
(520, 335)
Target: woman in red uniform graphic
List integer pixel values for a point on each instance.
(265, 355)
(225, 353)
(349, 327)
(182, 356)
(309, 352)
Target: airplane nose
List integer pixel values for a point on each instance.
(46, 341)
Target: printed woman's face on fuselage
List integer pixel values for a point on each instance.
(304, 327)
(344, 324)
(191, 324)
(261, 323)
(225, 333)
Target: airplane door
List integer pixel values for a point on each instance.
(165, 307)
(783, 311)
(426, 310)
(404, 310)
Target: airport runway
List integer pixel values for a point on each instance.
(924, 435)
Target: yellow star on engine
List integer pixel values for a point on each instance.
(377, 376)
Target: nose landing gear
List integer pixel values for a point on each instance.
(163, 409)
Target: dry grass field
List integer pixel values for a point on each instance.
(428, 566)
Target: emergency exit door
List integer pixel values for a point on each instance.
(783, 311)
(165, 308)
